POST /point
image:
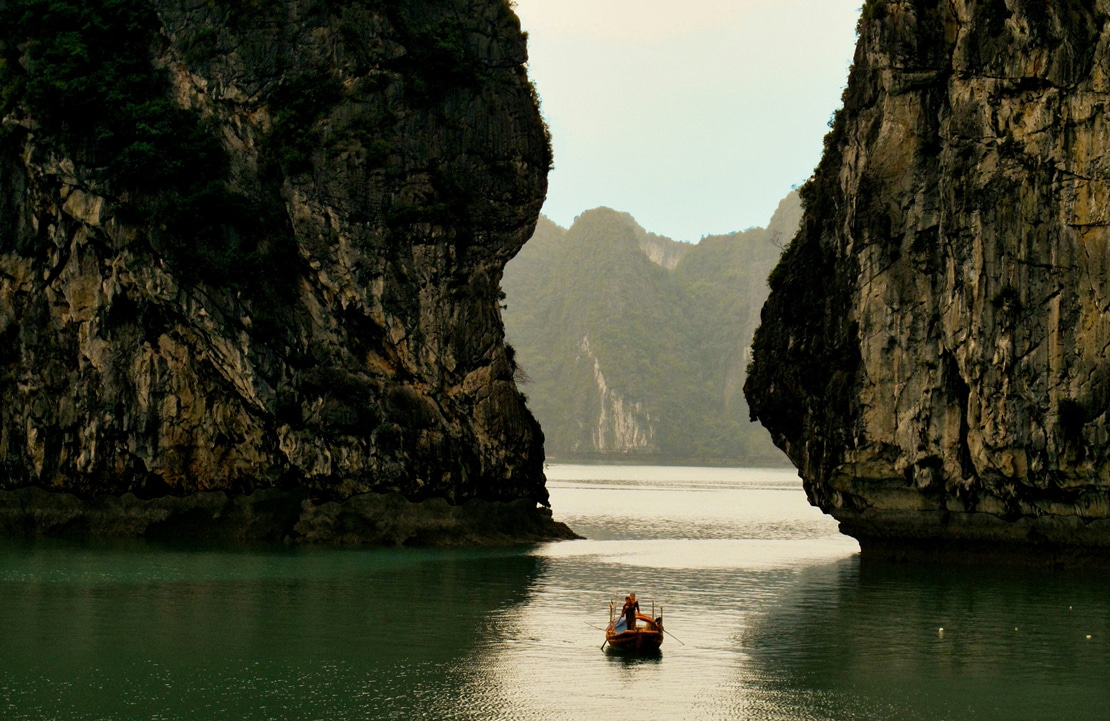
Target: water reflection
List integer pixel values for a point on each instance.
(779, 619)
(109, 632)
(854, 641)
(631, 659)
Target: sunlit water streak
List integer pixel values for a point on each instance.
(779, 621)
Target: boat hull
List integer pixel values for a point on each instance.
(646, 637)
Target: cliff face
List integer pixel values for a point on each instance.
(619, 428)
(272, 260)
(933, 355)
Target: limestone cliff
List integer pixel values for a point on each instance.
(934, 353)
(250, 245)
(621, 427)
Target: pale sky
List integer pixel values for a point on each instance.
(695, 116)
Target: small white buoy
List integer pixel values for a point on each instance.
(1088, 637)
(1015, 628)
(940, 632)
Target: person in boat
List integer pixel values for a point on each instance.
(631, 608)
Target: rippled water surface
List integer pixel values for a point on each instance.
(772, 615)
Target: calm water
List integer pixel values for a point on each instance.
(779, 620)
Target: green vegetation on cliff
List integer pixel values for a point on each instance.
(636, 345)
(83, 71)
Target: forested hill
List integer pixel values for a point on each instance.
(634, 346)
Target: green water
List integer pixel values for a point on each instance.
(778, 618)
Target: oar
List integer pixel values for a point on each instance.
(661, 625)
(599, 628)
(672, 635)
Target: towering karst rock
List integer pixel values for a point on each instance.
(935, 352)
(250, 245)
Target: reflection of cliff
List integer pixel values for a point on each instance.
(249, 630)
(856, 642)
(636, 345)
(933, 355)
(271, 260)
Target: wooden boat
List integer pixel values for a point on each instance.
(646, 637)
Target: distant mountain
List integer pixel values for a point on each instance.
(634, 346)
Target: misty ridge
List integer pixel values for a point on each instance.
(633, 346)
